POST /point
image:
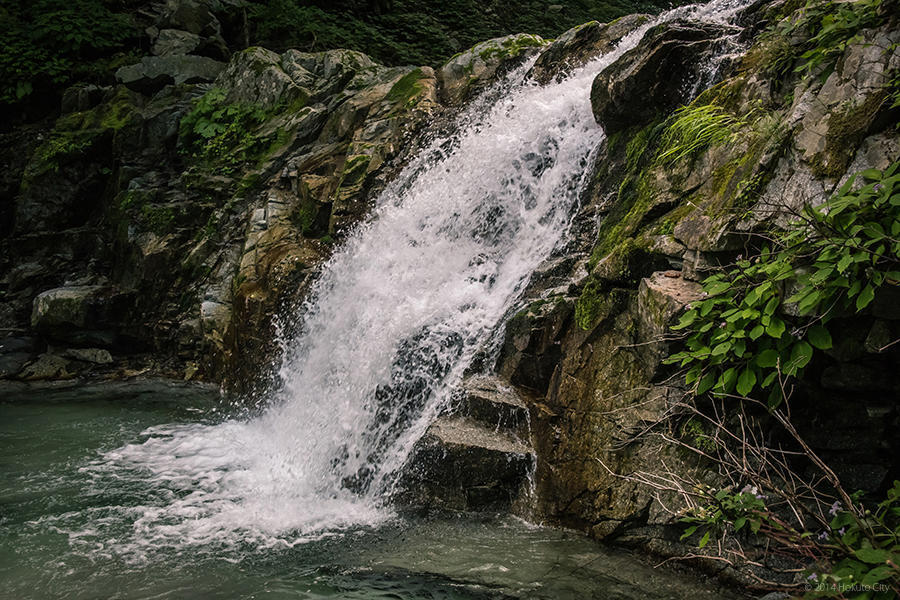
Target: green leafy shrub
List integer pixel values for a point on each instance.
(720, 508)
(834, 260)
(856, 554)
(863, 552)
(830, 27)
(53, 42)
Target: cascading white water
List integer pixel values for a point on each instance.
(395, 318)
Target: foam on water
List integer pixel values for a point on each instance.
(393, 322)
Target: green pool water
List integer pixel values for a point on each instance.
(63, 522)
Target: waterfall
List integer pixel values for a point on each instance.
(396, 317)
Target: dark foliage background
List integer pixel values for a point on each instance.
(46, 45)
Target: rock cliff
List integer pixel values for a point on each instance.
(162, 224)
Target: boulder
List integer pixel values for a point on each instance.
(655, 77)
(86, 314)
(97, 356)
(492, 401)
(155, 72)
(191, 15)
(581, 44)
(327, 73)
(470, 70)
(461, 464)
(175, 42)
(46, 366)
(255, 76)
(661, 297)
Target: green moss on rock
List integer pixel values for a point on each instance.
(407, 88)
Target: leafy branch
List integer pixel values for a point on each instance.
(766, 315)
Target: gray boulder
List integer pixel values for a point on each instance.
(155, 72)
(255, 76)
(175, 42)
(82, 315)
(470, 70)
(581, 44)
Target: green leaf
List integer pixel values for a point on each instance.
(769, 379)
(688, 532)
(871, 555)
(686, 319)
(726, 380)
(800, 356)
(704, 540)
(706, 383)
(865, 297)
(721, 349)
(775, 328)
(819, 337)
(717, 288)
(767, 358)
(756, 332)
(877, 574)
(746, 381)
(739, 523)
(871, 174)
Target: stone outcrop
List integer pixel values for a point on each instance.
(579, 45)
(588, 344)
(470, 71)
(655, 77)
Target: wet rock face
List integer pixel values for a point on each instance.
(604, 416)
(655, 77)
(531, 348)
(579, 45)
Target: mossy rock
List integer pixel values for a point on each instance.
(467, 71)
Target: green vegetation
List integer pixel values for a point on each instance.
(218, 133)
(857, 554)
(406, 88)
(46, 44)
(422, 31)
(695, 128)
(834, 260)
(75, 134)
(822, 31)
(759, 325)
